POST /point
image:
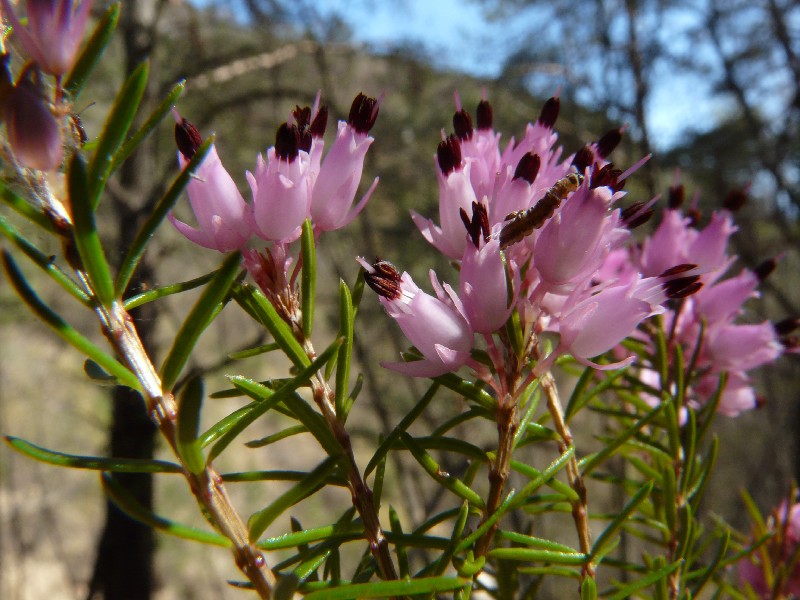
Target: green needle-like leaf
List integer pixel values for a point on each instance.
(131, 507)
(44, 262)
(404, 424)
(455, 538)
(92, 52)
(229, 428)
(609, 534)
(588, 463)
(308, 279)
(346, 351)
(250, 352)
(156, 217)
(189, 409)
(399, 549)
(629, 590)
(62, 328)
(116, 127)
(87, 240)
(257, 305)
(149, 125)
(97, 463)
(469, 390)
(167, 290)
(386, 589)
(262, 519)
(198, 319)
(21, 206)
(455, 485)
(536, 555)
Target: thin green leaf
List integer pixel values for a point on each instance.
(402, 426)
(579, 399)
(97, 463)
(43, 261)
(339, 532)
(24, 208)
(543, 478)
(149, 125)
(399, 549)
(250, 352)
(257, 305)
(249, 476)
(87, 241)
(610, 532)
(189, 409)
(346, 351)
(276, 437)
(63, 329)
(534, 555)
(308, 278)
(695, 491)
(156, 217)
(131, 507)
(629, 590)
(588, 589)
(455, 445)
(230, 427)
(455, 537)
(444, 479)
(167, 290)
(198, 319)
(535, 542)
(588, 463)
(469, 390)
(92, 52)
(535, 474)
(385, 589)
(713, 567)
(115, 129)
(259, 521)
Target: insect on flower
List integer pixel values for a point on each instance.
(521, 223)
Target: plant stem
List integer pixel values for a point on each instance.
(207, 485)
(580, 510)
(361, 493)
(507, 423)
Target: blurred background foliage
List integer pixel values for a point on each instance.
(247, 64)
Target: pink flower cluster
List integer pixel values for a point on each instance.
(293, 184)
(50, 43)
(532, 232)
(773, 570)
(707, 324)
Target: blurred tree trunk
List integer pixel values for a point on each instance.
(123, 567)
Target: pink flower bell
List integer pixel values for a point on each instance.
(483, 285)
(33, 132)
(455, 194)
(281, 187)
(340, 173)
(54, 31)
(221, 212)
(434, 325)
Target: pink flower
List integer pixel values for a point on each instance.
(483, 285)
(281, 188)
(596, 324)
(54, 31)
(784, 524)
(340, 173)
(575, 241)
(741, 347)
(455, 194)
(435, 326)
(33, 132)
(221, 212)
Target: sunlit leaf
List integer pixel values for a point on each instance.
(131, 507)
(189, 408)
(92, 51)
(97, 463)
(198, 319)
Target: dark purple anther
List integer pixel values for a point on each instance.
(448, 154)
(187, 138)
(528, 167)
(363, 113)
(549, 114)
